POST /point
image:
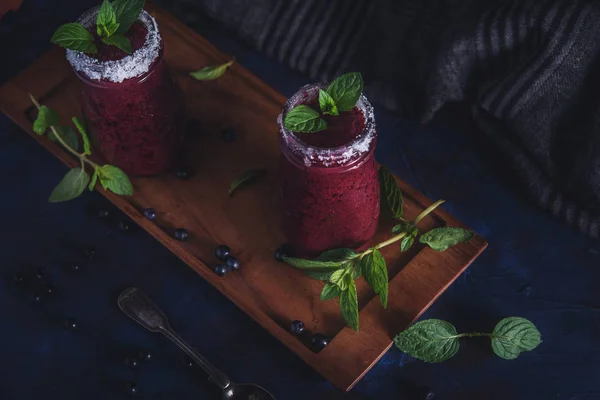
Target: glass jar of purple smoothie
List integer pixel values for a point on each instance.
(329, 184)
(133, 109)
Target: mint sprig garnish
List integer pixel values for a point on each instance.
(77, 179)
(340, 267)
(341, 95)
(435, 340)
(113, 21)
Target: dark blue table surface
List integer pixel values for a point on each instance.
(534, 267)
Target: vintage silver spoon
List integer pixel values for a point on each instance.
(142, 310)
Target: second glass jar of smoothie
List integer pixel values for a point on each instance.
(133, 109)
(329, 184)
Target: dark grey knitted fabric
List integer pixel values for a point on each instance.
(530, 69)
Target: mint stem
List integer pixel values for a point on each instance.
(474, 334)
(427, 211)
(81, 157)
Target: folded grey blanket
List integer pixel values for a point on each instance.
(529, 69)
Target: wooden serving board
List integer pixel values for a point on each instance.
(270, 292)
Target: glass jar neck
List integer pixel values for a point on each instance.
(307, 156)
(134, 65)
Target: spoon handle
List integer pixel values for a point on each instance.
(216, 376)
(142, 310)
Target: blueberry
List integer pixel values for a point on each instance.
(319, 341)
(429, 396)
(181, 234)
(149, 213)
(71, 324)
(232, 263)
(37, 297)
(145, 355)
(281, 252)
(131, 362)
(229, 134)
(189, 363)
(297, 328)
(124, 226)
(183, 172)
(40, 273)
(18, 278)
(75, 267)
(131, 389)
(223, 252)
(221, 270)
(103, 214)
(49, 289)
(90, 253)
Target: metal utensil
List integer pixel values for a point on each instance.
(142, 310)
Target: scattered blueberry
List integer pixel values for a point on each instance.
(131, 389)
(103, 214)
(40, 273)
(223, 252)
(75, 267)
(183, 172)
(281, 252)
(149, 213)
(232, 263)
(181, 234)
(49, 289)
(71, 324)
(90, 253)
(18, 278)
(132, 362)
(221, 270)
(124, 226)
(297, 328)
(145, 355)
(189, 363)
(429, 396)
(319, 341)
(229, 134)
(37, 297)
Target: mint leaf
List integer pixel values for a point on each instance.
(401, 227)
(67, 134)
(339, 278)
(74, 36)
(374, 270)
(71, 186)
(304, 119)
(440, 239)
(119, 41)
(349, 306)
(341, 254)
(327, 104)
(346, 90)
(431, 340)
(514, 335)
(330, 291)
(127, 12)
(312, 265)
(407, 242)
(391, 191)
(94, 179)
(211, 72)
(87, 147)
(245, 178)
(45, 118)
(106, 22)
(115, 180)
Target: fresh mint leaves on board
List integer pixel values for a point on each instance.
(77, 179)
(341, 95)
(211, 72)
(245, 178)
(435, 340)
(340, 267)
(112, 23)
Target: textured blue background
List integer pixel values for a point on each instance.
(534, 267)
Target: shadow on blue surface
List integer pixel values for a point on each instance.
(534, 267)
